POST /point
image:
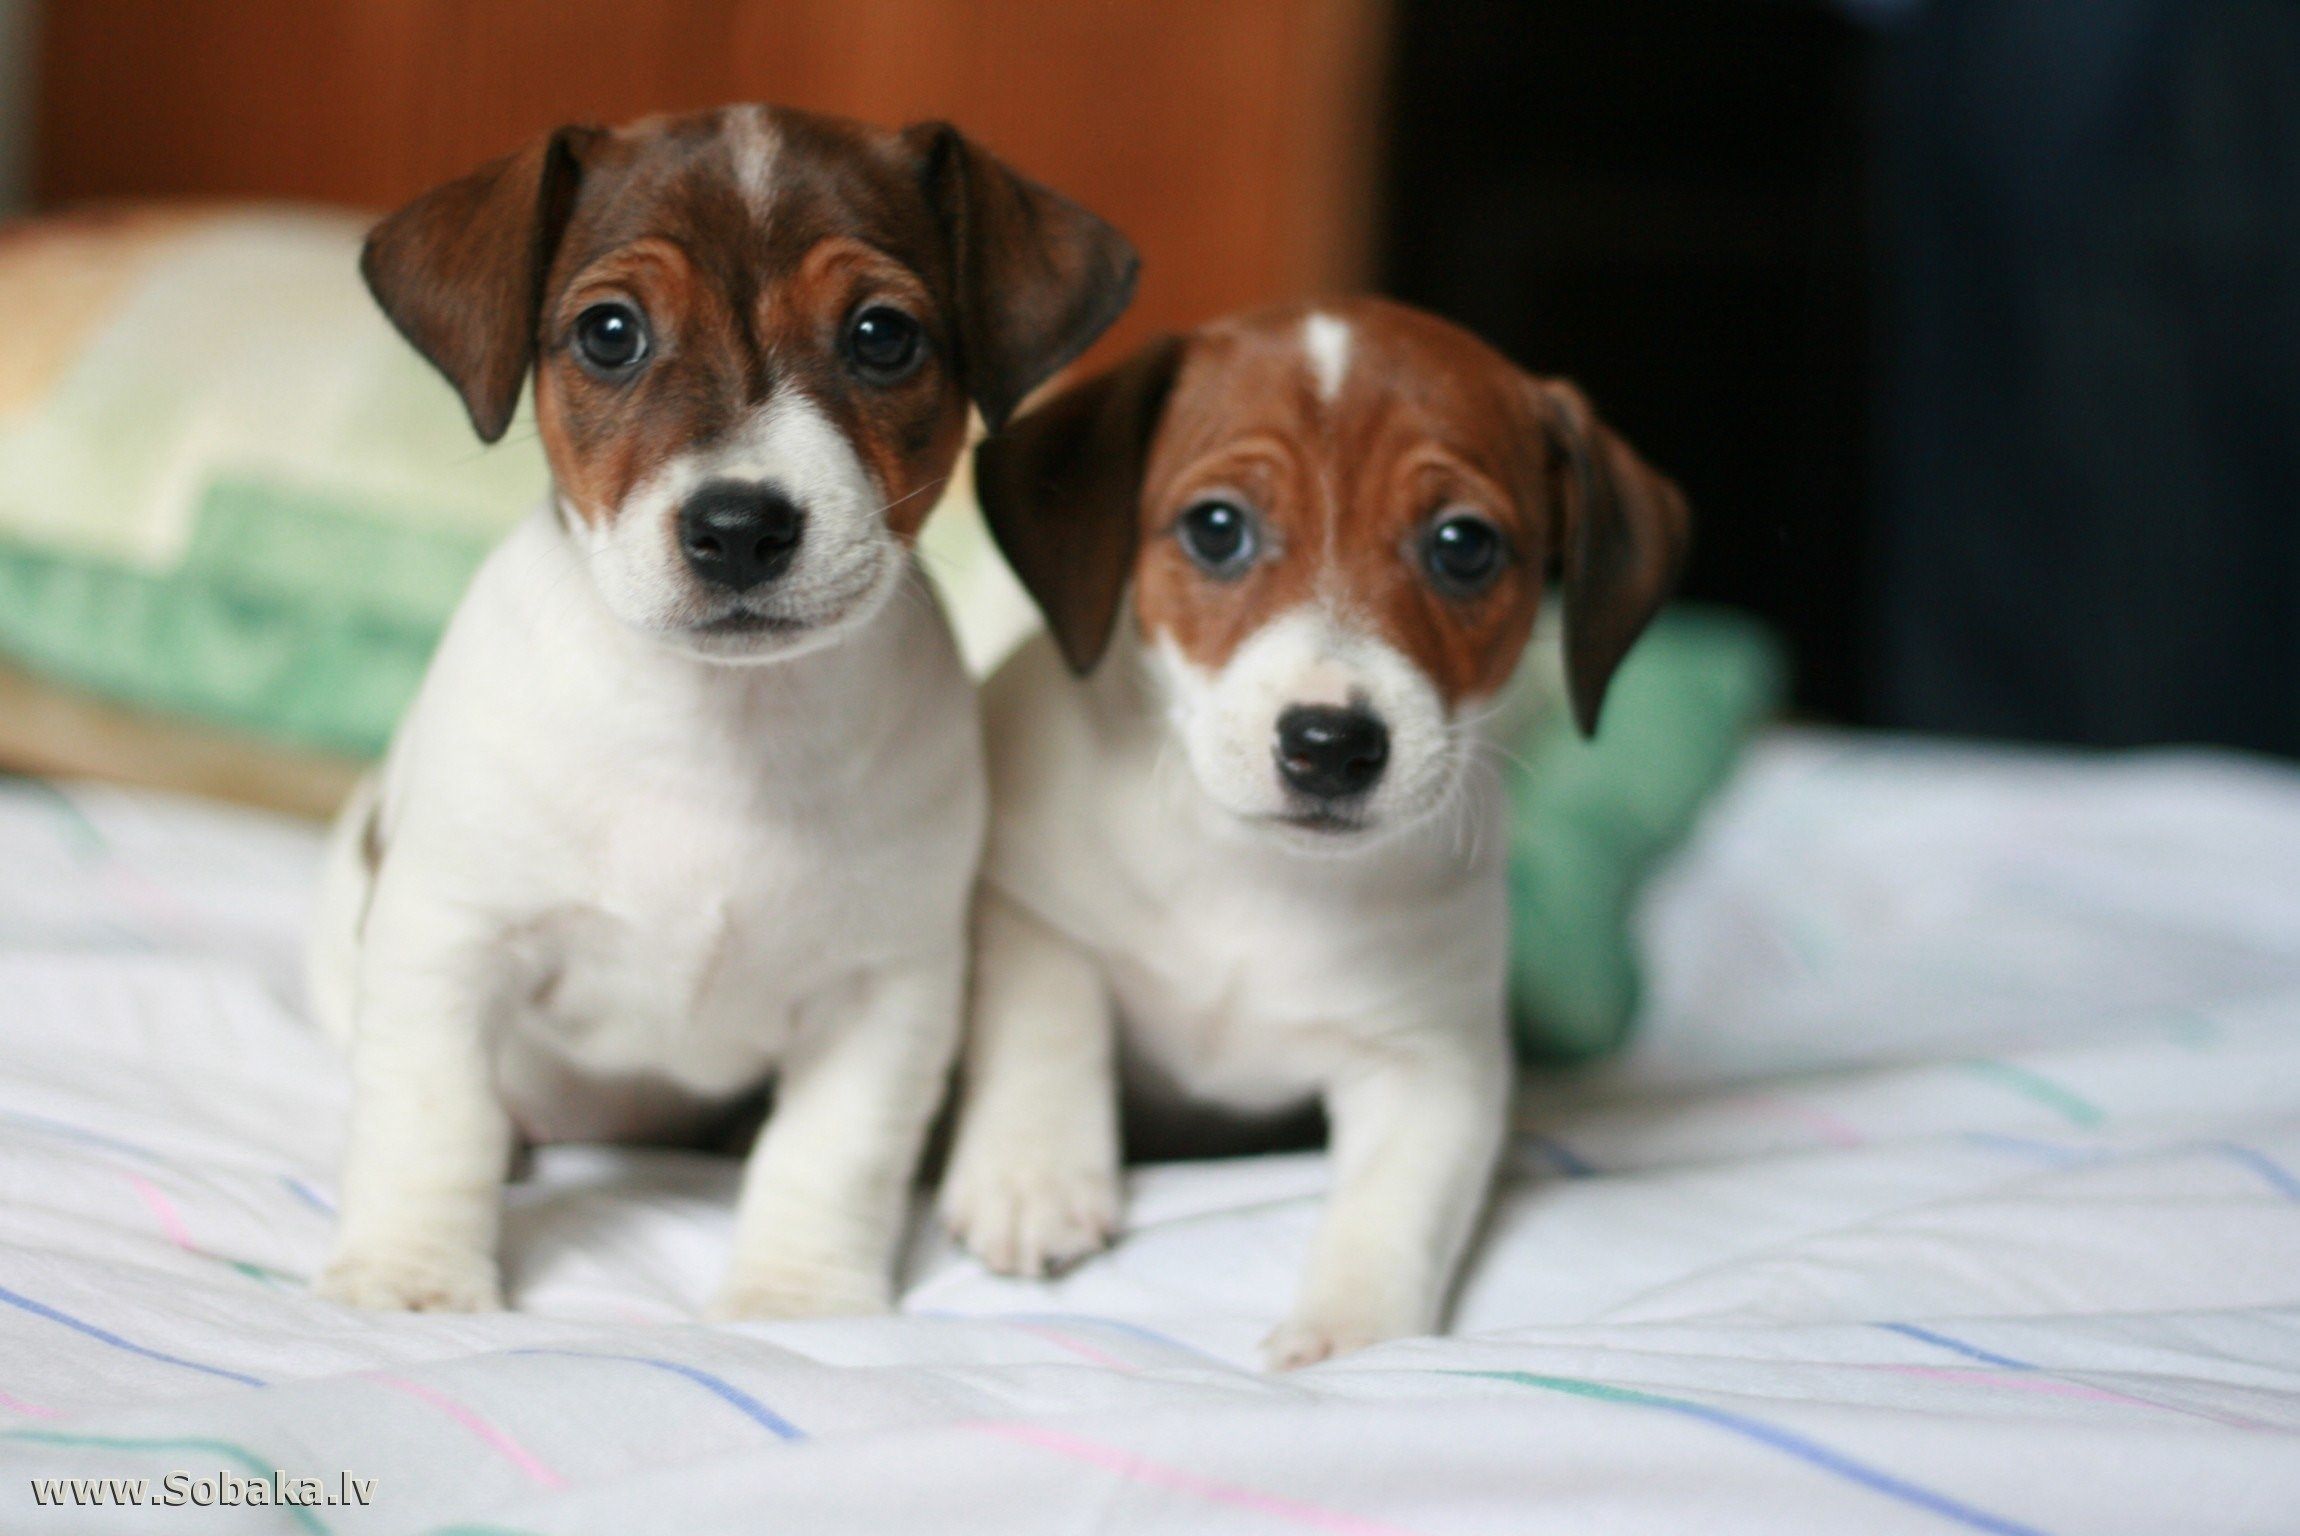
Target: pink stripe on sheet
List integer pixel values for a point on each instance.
(1158, 1475)
(1078, 1347)
(1830, 1127)
(495, 1439)
(2041, 1386)
(14, 1404)
(171, 1222)
(163, 1211)
(2035, 1386)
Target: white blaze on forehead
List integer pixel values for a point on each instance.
(753, 142)
(1327, 340)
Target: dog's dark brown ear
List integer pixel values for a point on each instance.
(460, 270)
(1619, 545)
(1037, 278)
(1062, 491)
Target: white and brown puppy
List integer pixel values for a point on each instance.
(692, 794)
(1244, 850)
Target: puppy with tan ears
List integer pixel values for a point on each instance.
(692, 795)
(1245, 853)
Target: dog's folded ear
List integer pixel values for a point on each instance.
(1036, 277)
(460, 270)
(1621, 541)
(1062, 491)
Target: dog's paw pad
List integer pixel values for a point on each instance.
(767, 1293)
(1032, 1219)
(412, 1280)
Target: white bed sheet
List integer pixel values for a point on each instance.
(1954, 1183)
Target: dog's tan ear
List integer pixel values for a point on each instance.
(460, 270)
(1620, 543)
(1036, 277)
(1062, 491)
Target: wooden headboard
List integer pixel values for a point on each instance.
(1234, 140)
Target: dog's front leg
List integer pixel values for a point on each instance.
(1033, 1178)
(828, 1185)
(430, 1140)
(1415, 1135)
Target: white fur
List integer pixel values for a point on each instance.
(756, 146)
(623, 882)
(846, 561)
(1225, 723)
(1141, 922)
(1327, 339)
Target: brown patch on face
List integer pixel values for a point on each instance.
(746, 290)
(603, 435)
(742, 243)
(1428, 423)
(907, 434)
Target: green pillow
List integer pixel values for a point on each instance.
(1593, 817)
(228, 489)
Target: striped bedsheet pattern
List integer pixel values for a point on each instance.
(1953, 1185)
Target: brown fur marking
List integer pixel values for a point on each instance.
(1427, 420)
(745, 295)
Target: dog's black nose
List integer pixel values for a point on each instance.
(1329, 752)
(738, 535)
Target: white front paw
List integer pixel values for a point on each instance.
(1030, 1211)
(1316, 1333)
(768, 1290)
(412, 1278)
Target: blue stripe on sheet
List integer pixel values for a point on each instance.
(106, 1336)
(758, 1412)
(1569, 1162)
(1113, 1324)
(80, 1133)
(2030, 1146)
(1811, 1452)
(1957, 1346)
(2278, 1176)
(308, 1195)
(2252, 1159)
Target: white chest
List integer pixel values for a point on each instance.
(685, 947)
(1251, 982)
(684, 863)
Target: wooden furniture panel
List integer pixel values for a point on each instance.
(1232, 139)
(61, 732)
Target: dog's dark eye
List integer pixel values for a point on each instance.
(1219, 535)
(611, 337)
(885, 344)
(1462, 554)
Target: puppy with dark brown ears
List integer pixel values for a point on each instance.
(691, 797)
(1244, 852)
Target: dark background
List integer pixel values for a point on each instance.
(1972, 332)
